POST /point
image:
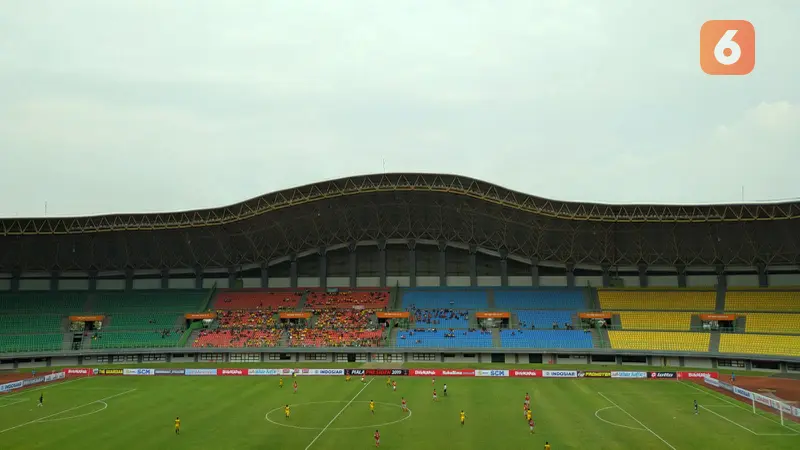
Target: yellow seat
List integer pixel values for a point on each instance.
(760, 344)
(660, 340)
(657, 300)
(637, 320)
(762, 301)
(772, 323)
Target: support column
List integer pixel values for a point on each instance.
(473, 265)
(643, 275)
(681, 275)
(535, 272)
(722, 281)
(353, 265)
(570, 275)
(264, 275)
(503, 267)
(232, 278)
(198, 277)
(763, 280)
(92, 280)
(606, 275)
(412, 263)
(129, 279)
(322, 254)
(54, 274)
(442, 263)
(382, 263)
(293, 271)
(164, 278)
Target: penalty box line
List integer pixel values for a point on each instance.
(340, 413)
(67, 410)
(638, 421)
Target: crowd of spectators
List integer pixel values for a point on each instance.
(348, 299)
(435, 316)
(344, 319)
(237, 338)
(318, 337)
(241, 318)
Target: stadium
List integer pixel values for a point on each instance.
(638, 326)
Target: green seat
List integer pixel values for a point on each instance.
(30, 343)
(142, 321)
(162, 301)
(28, 323)
(128, 339)
(52, 302)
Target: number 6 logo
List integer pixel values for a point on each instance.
(727, 47)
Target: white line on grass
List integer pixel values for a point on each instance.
(735, 403)
(102, 400)
(14, 403)
(729, 420)
(638, 421)
(597, 414)
(340, 413)
(25, 391)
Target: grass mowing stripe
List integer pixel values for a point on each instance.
(638, 421)
(67, 410)
(340, 413)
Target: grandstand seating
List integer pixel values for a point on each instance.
(171, 300)
(141, 321)
(773, 323)
(30, 342)
(555, 299)
(637, 320)
(660, 341)
(312, 337)
(657, 300)
(440, 318)
(238, 339)
(437, 299)
(572, 339)
(242, 318)
(438, 338)
(760, 344)
(52, 302)
(134, 339)
(762, 301)
(348, 299)
(29, 323)
(238, 300)
(344, 319)
(543, 319)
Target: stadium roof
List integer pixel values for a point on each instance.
(443, 208)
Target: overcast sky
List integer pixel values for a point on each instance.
(140, 106)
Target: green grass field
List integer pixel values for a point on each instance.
(330, 413)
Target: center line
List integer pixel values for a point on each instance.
(340, 413)
(638, 421)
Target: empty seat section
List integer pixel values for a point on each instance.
(660, 341)
(543, 319)
(760, 344)
(656, 320)
(52, 302)
(132, 339)
(440, 318)
(30, 324)
(560, 299)
(348, 299)
(443, 339)
(421, 299)
(788, 301)
(30, 343)
(238, 339)
(164, 300)
(658, 300)
(233, 300)
(573, 339)
(142, 321)
(773, 323)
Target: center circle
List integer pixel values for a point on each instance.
(297, 427)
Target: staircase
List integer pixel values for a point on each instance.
(393, 337)
(696, 324)
(66, 343)
(576, 321)
(302, 303)
(592, 300)
(740, 324)
(600, 338)
(616, 323)
(89, 303)
(714, 346)
(490, 299)
(496, 338)
(720, 307)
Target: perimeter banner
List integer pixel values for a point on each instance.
(378, 372)
(590, 374)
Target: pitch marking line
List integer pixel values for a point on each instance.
(716, 395)
(105, 406)
(340, 413)
(729, 420)
(25, 391)
(386, 424)
(638, 421)
(597, 414)
(14, 403)
(42, 419)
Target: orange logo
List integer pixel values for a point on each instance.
(727, 47)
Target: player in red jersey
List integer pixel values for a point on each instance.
(525, 410)
(532, 425)
(394, 386)
(527, 399)
(433, 381)
(377, 437)
(294, 385)
(435, 397)
(404, 405)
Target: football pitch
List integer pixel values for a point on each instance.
(331, 413)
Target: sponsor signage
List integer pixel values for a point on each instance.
(717, 317)
(378, 372)
(232, 372)
(295, 315)
(264, 372)
(78, 372)
(595, 315)
(138, 372)
(326, 372)
(10, 386)
(766, 401)
(624, 374)
(742, 392)
(593, 374)
(169, 372)
(663, 375)
(200, 372)
(32, 381)
(683, 375)
(560, 373)
(393, 315)
(200, 316)
(54, 377)
(492, 315)
(491, 373)
(110, 372)
(86, 318)
(525, 373)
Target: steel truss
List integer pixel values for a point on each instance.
(442, 208)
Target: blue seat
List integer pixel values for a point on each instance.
(543, 319)
(422, 299)
(572, 339)
(437, 339)
(537, 299)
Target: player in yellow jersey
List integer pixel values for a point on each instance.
(463, 417)
(177, 425)
(372, 407)
(529, 415)
(280, 382)
(388, 382)
(287, 411)
(546, 446)
(347, 377)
